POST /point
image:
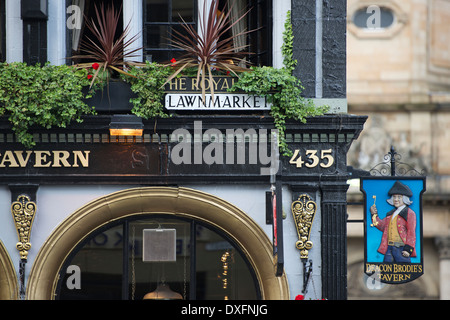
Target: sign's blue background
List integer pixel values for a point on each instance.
(380, 189)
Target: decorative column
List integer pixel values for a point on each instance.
(303, 211)
(443, 245)
(319, 29)
(334, 240)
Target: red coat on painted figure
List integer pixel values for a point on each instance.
(406, 226)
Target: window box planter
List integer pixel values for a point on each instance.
(113, 98)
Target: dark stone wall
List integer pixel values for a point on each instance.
(329, 81)
(304, 22)
(303, 16)
(334, 55)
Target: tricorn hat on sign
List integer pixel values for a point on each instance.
(400, 188)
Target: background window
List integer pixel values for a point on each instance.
(76, 36)
(260, 19)
(160, 17)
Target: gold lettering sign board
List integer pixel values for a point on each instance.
(186, 93)
(44, 159)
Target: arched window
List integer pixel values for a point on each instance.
(102, 243)
(110, 264)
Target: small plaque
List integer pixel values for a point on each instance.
(159, 245)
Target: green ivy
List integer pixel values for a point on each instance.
(41, 96)
(146, 83)
(282, 89)
(288, 45)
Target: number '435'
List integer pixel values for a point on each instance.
(313, 158)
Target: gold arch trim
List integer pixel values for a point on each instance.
(8, 276)
(178, 202)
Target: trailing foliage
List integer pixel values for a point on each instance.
(282, 89)
(146, 83)
(43, 96)
(288, 45)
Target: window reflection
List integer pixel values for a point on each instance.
(146, 277)
(222, 273)
(365, 17)
(207, 266)
(100, 263)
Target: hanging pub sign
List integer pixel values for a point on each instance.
(185, 93)
(393, 228)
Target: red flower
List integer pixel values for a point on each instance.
(300, 297)
(95, 66)
(173, 60)
(89, 76)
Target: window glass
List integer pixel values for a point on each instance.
(183, 10)
(222, 273)
(157, 10)
(260, 41)
(77, 35)
(160, 17)
(95, 271)
(150, 277)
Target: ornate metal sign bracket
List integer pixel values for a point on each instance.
(393, 167)
(23, 211)
(303, 211)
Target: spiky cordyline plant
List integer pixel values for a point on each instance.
(108, 52)
(210, 48)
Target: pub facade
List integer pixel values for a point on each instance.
(199, 205)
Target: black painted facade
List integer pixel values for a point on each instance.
(149, 162)
(330, 36)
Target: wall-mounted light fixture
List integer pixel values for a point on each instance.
(126, 125)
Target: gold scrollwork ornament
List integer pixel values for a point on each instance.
(303, 210)
(23, 211)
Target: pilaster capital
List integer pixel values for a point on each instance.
(443, 245)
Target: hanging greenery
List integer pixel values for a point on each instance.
(287, 49)
(282, 89)
(146, 83)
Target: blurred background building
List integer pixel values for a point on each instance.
(398, 73)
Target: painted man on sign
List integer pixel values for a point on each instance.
(399, 226)
(393, 237)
